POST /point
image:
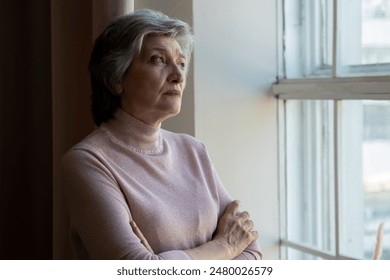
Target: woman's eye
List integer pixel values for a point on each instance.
(157, 59)
(182, 65)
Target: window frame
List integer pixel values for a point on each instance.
(333, 88)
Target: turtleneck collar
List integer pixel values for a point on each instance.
(133, 133)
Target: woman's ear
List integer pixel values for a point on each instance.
(118, 88)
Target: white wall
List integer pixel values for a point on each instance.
(235, 64)
(234, 113)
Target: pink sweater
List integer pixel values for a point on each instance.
(164, 181)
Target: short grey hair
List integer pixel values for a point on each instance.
(117, 46)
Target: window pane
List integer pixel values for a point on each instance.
(310, 173)
(308, 38)
(364, 39)
(293, 254)
(376, 174)
(375, 31)
(365, 177)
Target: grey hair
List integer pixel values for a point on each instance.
(115, 49)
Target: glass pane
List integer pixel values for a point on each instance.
(365, 177)
(308, 38)
(375, 31)
(293, 254)
(310, 173)
(364, 39)
(376, 174)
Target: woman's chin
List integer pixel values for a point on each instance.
(175, 112)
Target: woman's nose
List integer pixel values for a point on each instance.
(177, 75)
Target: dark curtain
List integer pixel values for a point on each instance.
(26, 130)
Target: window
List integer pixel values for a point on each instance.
(334, 128)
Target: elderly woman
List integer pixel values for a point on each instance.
(136, 191)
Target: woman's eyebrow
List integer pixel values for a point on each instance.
(163, 50)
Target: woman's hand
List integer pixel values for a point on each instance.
(235, 230)
(139, 234)
(233, 234)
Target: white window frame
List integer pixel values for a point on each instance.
(337, 89)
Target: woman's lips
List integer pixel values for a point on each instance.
(173, 93)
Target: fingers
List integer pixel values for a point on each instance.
(255, 234)
(235, 229)
(244, 215)
(233, 207)
(249, 224)
(241, 218)
(244, 219)
(142, 238)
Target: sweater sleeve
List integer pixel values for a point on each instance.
(252, 252)
(100, 216)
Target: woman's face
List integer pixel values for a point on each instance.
(152, 87)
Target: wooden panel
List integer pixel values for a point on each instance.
(71, 46)
(105, 11)
(74, 23)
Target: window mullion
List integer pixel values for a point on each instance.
(340, 88)
(282, 142)
(337, 172)
(336, 44)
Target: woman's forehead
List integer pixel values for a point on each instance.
(162, 44)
